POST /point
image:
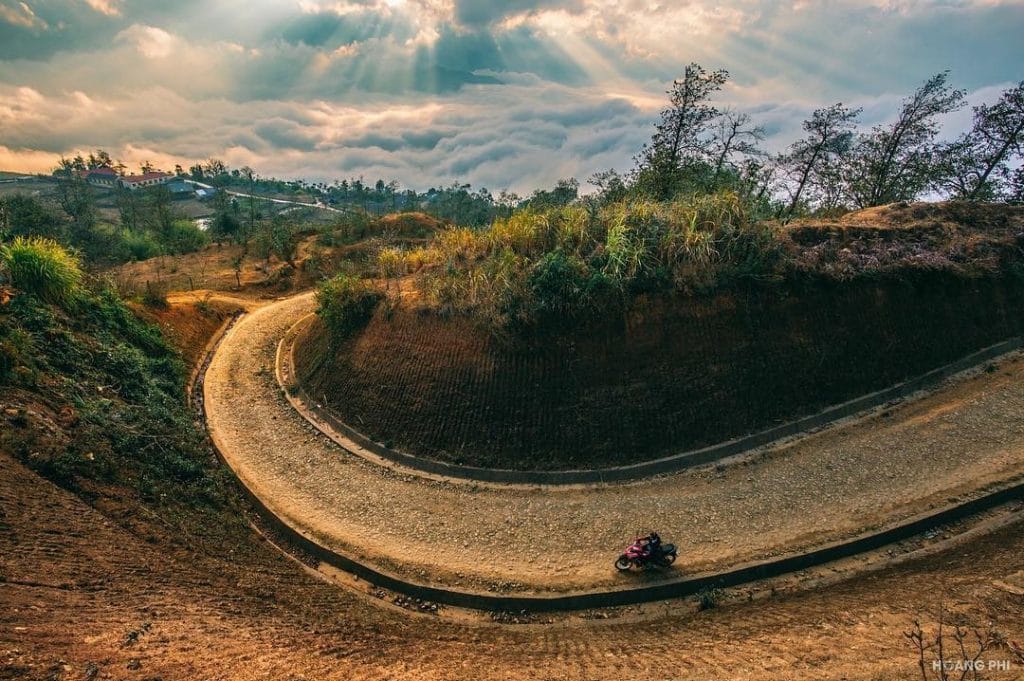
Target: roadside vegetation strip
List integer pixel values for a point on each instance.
(358, 444)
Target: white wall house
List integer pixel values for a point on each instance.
(133, 182)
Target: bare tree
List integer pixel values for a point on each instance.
(896, 162)
(976, 166)
(250, 175)
(829, 135)
(735, 135)
(951, 653)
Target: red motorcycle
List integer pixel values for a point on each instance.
(645, 552)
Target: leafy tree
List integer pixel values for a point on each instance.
(75, 196)
(100, 159)
(1017, 186)
(611, 186)
(158, 213)
(250, 176)
(679, 139)
(829, 136)
(896, 162)
(129, 207)
(24, 215)
(565, 192)
(976, 166)
(280, 240)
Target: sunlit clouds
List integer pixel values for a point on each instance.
(505, 95)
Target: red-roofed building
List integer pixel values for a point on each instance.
(133, 182)
(100, 177)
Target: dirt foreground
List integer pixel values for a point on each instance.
(83, 599)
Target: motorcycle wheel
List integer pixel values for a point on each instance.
(668, 559)
(623, 564)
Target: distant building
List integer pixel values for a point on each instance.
(204, 194)
(180, 189)
(133, 182)
(99, 177)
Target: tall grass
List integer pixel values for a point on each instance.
(571, 260)
(41, 266)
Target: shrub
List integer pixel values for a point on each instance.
(138, 246)
(345, 303)
(155, 296)
(184, 236)
(41, 266)
(558, 284)
(15, 351)
(708, 598)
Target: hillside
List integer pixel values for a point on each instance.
(857, 309)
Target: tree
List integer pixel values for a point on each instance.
(214, 168)
(24, 215)
(100, 159)
(129, 208)
(158, 212)
(250, 176)
(610, 185)
(565, 192)
(829, 135)
(1017, 187)
(76, 198)
(146, 167)
(756, 184)
(976, 166)
(897, 162)
(735, 135)
(679, 138)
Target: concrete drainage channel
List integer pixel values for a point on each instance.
(676, 588)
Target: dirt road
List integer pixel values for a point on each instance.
(825, 487)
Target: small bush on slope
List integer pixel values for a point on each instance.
(42, 267)
(345, 303)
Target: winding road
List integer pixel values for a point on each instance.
(965, 438)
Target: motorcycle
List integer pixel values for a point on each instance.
(637, 556)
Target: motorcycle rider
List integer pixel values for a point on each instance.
(651, 545)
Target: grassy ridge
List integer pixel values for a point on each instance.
(579, 262)
(576, 261)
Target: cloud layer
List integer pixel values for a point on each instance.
(504, 95)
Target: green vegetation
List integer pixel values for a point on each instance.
(41, 267)
(345, 303)
(155, 229)
(117, 386)
(705, 207)
(572, 262)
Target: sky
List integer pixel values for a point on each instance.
(511, 95)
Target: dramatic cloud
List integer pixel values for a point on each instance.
(504, 95)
